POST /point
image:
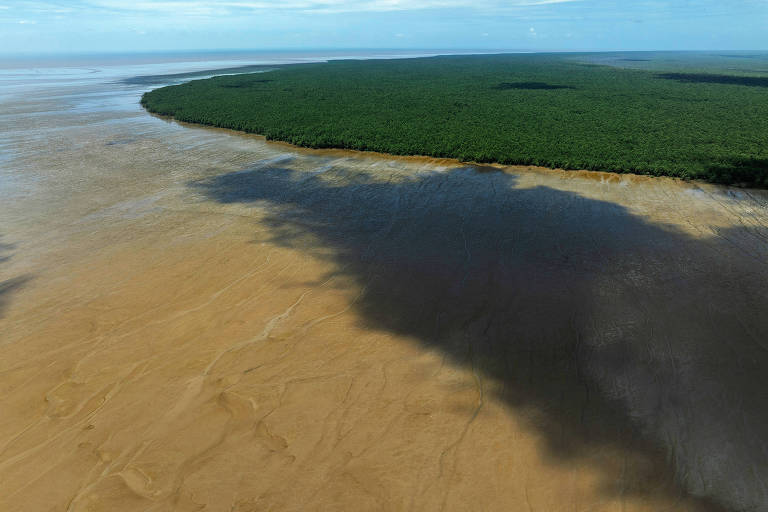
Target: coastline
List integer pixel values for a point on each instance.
(600, 176)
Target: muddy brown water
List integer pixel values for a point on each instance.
(192, 319)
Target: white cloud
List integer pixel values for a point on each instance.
(182, 7)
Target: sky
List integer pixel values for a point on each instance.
(104, 26)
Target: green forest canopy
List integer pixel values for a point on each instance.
(686, 115)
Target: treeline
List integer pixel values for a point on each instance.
(549, 110)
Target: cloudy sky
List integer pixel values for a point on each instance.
(140, 25)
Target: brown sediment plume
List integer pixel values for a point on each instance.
(207, 320)
(602, 176)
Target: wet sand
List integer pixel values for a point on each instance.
(192, 319)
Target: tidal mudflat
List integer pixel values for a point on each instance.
(192, 319)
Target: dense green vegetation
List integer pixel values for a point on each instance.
(692, 117)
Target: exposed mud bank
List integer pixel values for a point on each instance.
(193, 318)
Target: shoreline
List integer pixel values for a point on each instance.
(602, 176)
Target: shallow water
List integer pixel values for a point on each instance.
(192, 318)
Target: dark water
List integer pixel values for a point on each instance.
(609, 329)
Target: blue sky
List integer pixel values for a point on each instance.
(143, 25)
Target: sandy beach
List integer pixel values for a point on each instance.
(193, 319)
